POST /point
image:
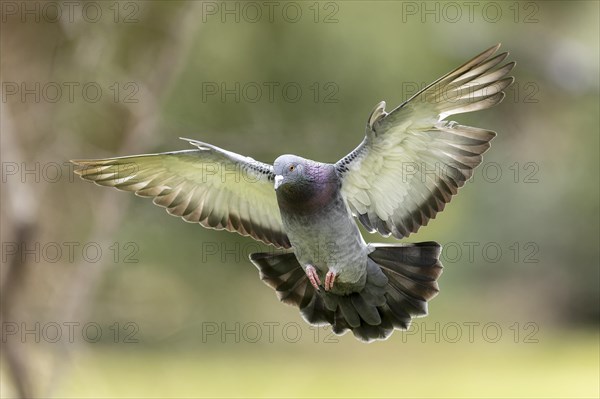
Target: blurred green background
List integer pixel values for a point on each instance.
(168, 309)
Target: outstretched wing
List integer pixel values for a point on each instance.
(411, 161)
(211, 186)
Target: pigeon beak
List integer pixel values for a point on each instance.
(278, 180)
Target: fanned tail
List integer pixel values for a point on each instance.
(401, 279)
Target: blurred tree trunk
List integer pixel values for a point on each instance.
(33, 130)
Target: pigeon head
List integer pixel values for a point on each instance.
(304, 182)
(290, 170)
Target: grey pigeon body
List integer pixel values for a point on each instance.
(319, 224)
(408, 167)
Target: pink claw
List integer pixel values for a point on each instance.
(329, 279)
(311, 272)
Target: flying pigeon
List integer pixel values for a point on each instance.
(409, 165)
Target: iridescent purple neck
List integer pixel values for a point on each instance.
(316, 190)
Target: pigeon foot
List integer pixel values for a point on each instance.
(329, 279)
(313, 277)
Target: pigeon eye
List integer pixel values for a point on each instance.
(291, 168)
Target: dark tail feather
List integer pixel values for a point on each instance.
(412, 271)
(401, 278)
(283, 273)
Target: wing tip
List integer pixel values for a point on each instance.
(497, 98)
(484, 55)
(84, 162)
(79, 163)
(510, 66)
(494, 48)
(83, 165)
(198, 144)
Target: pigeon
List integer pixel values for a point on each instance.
(410, 164)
